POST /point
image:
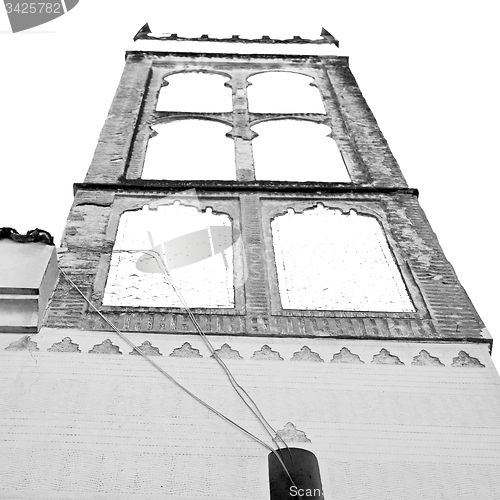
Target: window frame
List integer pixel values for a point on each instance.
(228, 205)
(273, 207)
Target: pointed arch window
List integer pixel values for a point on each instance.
(283, 92)
(195, 247)
(195, 91)
(303, 467)
(297, 150)
(329, 260)
(190, 150)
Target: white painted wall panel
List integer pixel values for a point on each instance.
(80, 425)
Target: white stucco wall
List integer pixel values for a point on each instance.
(80, 426)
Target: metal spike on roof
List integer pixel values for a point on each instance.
(143, 33)
(328, 36)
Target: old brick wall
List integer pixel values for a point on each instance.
(114, 184)
(443, 309)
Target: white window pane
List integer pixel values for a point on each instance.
(190, 150)
(283, 92)
(297, 150)
(195, 91)
(327, 260)
(203, 273)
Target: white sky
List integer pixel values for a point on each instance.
(429, 71)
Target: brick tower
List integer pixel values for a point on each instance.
(241, 192)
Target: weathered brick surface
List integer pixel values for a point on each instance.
(115, 140)
(368, 141)
(443, 310)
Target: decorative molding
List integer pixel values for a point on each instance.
(66, 345)
(291, 323)
(105, 347)
(23, 344)
(147, 348)
(32, 236)
(291, 434)
(465, 360)
(425, 359)
(186, 351)
(384, 357)
(226, 352)
(305, 354)
(266, 353)
(346, 356)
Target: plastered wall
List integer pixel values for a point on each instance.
(386, 420)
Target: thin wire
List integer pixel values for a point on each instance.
(242, 393)
(172, 379)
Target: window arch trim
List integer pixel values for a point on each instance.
(273, 208)
(197, 70)
(175, 116)
(293, 71)
(227, 207)
(299, 117)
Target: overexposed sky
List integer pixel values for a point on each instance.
(429, 71)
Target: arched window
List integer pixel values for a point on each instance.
(328, 260)
(195, 248)
(195, 91)
(283, 92)
(302, 465)
(297, 150)
(190, 150)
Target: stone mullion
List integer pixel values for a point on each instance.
(257, 294)
(241, 132)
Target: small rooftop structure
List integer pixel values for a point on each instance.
(28, 273)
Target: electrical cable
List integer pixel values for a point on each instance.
(172, 379)
(242, 393)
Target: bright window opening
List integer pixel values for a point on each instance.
(174, 244)
(195, 91)
(297, 150)
(190, 150)
(283, 92)
(327, 260)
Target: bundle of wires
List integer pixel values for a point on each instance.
(242, 393)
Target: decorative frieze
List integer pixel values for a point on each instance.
(147, 348)
(105, 347)
(66, 345)
(290, 434)
(465, 360)
(384, 357)
(185, 351)
(315, 352)
(346, 356)
(305, 354)
(425, 359)
(266, 353)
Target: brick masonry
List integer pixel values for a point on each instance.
(113, 184)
